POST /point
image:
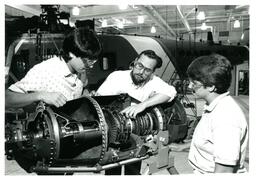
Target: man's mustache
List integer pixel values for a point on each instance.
(139, 75)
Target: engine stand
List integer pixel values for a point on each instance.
(162, 160)
(157, 163)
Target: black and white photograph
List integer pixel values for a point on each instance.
(127, 88)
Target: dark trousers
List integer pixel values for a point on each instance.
(129, 169)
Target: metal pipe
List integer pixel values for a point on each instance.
(97, 168)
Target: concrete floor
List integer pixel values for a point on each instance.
(179, 151)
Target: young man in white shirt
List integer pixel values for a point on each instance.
(141, 84)
(57, 80)
(221, 136)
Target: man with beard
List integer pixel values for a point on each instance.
(141, 84)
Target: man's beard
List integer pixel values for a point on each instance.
(137, 81)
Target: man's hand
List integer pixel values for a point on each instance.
(53, 98)
(132, 111)
(94, 93)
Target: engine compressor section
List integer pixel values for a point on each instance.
(88, 134)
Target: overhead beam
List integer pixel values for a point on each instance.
(183, 19)
(65, 9)
(107, 11)
(191, 11)
(164, 22)
(155, 20)
(26, 9)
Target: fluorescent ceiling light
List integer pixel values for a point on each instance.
(123, 6)
(140, 19)
(120, 24)
(203, 26)
(104, 23)
(237, 24)
(76, 11)
(153, 29)
(201, 15)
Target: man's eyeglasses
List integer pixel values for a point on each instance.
(140, 66)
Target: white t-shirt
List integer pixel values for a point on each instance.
(120, 82)
(52, 75)
(221, 136)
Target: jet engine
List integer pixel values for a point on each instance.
(88, 133)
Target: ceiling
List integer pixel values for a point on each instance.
(170, 20)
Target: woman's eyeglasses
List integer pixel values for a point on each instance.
(194, 85)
